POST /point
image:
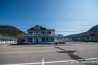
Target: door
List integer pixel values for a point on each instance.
(36, 40)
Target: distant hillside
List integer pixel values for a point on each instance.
(92, 32)
(10, 31)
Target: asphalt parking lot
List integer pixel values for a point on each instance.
(67, 54)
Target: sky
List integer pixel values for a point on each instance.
(65, 16)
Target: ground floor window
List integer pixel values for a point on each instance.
(51, 39)
(43, 39)
(29, 39)
(48, 39)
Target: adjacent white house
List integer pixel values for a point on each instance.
(7, 40)
(83, 39)
(39, 34)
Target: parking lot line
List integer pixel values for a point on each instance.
(27, 52)
(43, 51)
(36, 63)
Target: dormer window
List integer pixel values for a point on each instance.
(37, 27)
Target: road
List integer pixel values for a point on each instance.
(68, 54)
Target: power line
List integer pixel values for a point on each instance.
(17, 17)
(53, 26)
(83, 29)
(47, 25)
(66, 31)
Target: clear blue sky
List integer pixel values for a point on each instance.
(65, 16)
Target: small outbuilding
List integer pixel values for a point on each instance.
(7, 40)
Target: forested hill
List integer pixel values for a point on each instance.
(10, 31)
(91, 32)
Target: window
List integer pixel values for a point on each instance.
(43, 32)
(87, 38)
(36, 32)
(33, 32)
(95, 37)
(48, 32)
(43, 39)
(51, 39)
(30, 32)
(29, 39)
(47, 40)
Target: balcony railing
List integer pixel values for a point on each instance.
(44, 35)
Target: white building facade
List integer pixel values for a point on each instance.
(83, 39)
(7, 40)
(39, 34)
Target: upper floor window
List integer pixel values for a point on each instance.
(87, 38)
(95, 37)
(48, 32)
(43, 32)
(30, 32)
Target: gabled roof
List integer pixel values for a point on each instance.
(38, 27)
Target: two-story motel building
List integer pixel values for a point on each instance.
(39, 34)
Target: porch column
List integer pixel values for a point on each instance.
(45, 39)
(48, 39)
(32, 39)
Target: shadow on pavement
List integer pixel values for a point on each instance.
(75, 57)
(70, 53)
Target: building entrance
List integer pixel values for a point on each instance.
(36, 40)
